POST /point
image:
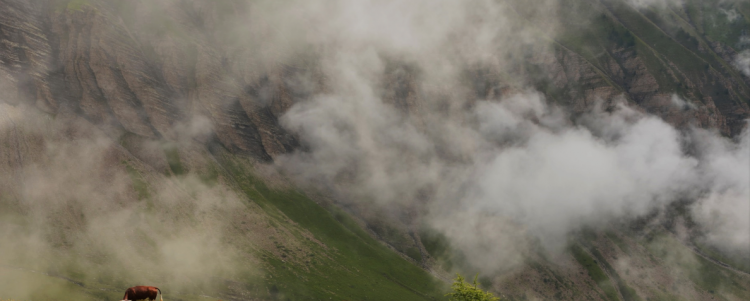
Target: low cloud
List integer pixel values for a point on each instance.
(731, 14)
(742, 62)
(511, 161)
(524, 172)
(76, 203)
(724, 209)
(681, 103)
(655, 3)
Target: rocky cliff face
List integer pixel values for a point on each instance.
(113, 65)
(88, 60)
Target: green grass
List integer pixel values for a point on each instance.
(17, 284)
(438, 247)
(717, 26)
(618, 241)
(210, 175)
(673, 45)
(706, 275)
(686, 35)
(657, 68)
(173, 159)
(21, 284)
(596, 42)
(355, 266)
(713, 278)
(76, 5)
(139, 183)
(670, 41)
(628, 293)
(738, 261)
(435, 243)
(397, 237)
(595, 272)
(655, 38)
(542, 267)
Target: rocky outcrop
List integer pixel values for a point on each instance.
(134, 82)
(26, 53)
(128, 75)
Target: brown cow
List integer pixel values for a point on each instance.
(142, 292)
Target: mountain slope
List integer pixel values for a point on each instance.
(278, 243)
(139, 140)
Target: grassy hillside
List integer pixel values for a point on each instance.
(291, 247)
(305, 251)
(354, 266)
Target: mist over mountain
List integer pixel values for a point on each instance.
(370, 150)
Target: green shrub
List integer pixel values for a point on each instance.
(463, 291)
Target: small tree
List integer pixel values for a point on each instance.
(463, 291)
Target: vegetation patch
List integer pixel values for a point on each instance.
(464, 291)
(628, 293)
(355, 266)
(173, 159)
(595, 272)
(76, 5)
(139, 183)
(707, 275)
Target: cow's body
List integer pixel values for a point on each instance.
(141, 292)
